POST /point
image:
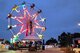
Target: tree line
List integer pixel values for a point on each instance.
(64, 39)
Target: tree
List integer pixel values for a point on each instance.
(65, 39)
(76, 35)
(51, 41)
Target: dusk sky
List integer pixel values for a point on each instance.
(61, 16)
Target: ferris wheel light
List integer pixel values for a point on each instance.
(43, 19)
(15, 7)
(20, 17)
(40, 36)
(43, 28)
(8, 26)
(18, 33)
(11, 41)
(14, 36)
(14, 26)
(11, 38)
(23, 4)
(23, 41)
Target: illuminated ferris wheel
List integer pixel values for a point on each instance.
(25, 19)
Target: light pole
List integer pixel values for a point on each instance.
(43, 45)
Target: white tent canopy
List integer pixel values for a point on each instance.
(32, 37)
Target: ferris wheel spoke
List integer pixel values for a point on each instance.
(12, 32)
(34, 16)
(17, 25)
(37, 23)
(18, 33)
(19, 20)
(39, 27)
(22, 28)
(17, 11)
(24, 31)
(14, 26)
(15, 18)
(25, 14)
(26, 10)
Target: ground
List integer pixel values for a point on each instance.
(52, 50)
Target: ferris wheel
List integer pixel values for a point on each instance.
(25, 18)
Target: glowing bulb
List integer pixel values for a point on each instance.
(78, 24)
(14, 36)
(23, 41)
(15, 26)
(40, 36)
(8, 26)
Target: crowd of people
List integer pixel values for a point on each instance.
(30, 45)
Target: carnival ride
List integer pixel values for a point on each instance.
(25, 18)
